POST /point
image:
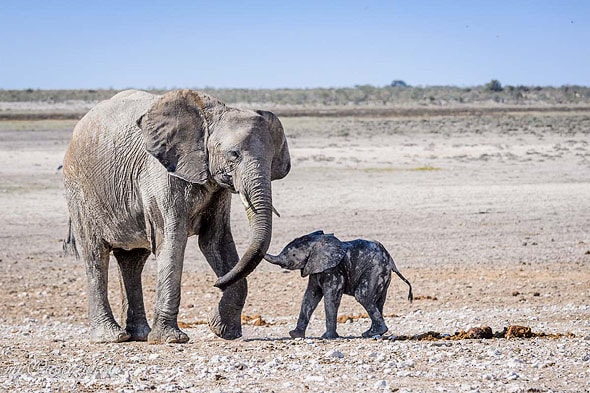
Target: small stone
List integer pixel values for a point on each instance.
(334, 354)
(153, 356)
(441, 344)
(382, 384)
(408, 364)
(512, 376)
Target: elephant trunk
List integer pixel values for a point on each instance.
(259, 211)
(274, 259)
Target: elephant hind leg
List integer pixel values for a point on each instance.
(103, 327)
(371, 295)
(131, 263)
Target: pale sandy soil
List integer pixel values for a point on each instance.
(488, 217)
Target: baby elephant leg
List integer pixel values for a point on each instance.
(313, 295)
(371, 295)
(333, 286)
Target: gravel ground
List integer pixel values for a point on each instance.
(487, 216)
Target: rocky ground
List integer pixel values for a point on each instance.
(486, 214)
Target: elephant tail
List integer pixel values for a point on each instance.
(69, 243)
(394, 269)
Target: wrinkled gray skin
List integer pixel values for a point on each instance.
(142, 174)
(359, 268)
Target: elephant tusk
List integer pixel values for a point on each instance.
(275, 211)
(246, 202)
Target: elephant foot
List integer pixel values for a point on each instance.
(138, 332)
(108, 333)
(375, 332)
(167, 335)
(224, 330)
(295, 333)
(330, 335)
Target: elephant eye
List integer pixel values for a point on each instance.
(232, 155)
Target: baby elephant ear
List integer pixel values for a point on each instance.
(174, 130)
(325, 254)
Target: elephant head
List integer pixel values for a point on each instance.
(312, 253)
(201, 140)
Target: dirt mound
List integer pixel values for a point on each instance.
(483, 332)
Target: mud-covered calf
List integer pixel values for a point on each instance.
(359, 268)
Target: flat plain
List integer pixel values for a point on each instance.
(486, 213)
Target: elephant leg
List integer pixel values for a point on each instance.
(103, 327)
(371, 295)
(311, 299)
(133, 311)
(218, 247)
(169, 256)
(226, 319)
(333, 286)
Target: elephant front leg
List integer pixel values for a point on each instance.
(218, 247)
(311, 298)
(103, 327)
(131, 265)
(226, 319)
(333, 286)
(165, 329)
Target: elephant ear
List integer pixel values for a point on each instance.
(325, 254)
(174, 130)
(281, 162)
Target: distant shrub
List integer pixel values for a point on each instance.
(494, 85)
(398, 83)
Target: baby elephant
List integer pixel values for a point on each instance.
(359, 268)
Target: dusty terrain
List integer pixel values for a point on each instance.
(488, 215)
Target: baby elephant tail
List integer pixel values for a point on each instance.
(396, 271)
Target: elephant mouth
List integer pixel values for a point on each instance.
(225, 180)
(250, 207)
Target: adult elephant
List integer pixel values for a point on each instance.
(143, 173)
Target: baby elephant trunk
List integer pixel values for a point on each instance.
(274, 259)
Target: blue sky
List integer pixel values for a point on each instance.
(305, 43)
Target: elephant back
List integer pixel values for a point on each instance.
(116, 115)
(110, 125)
